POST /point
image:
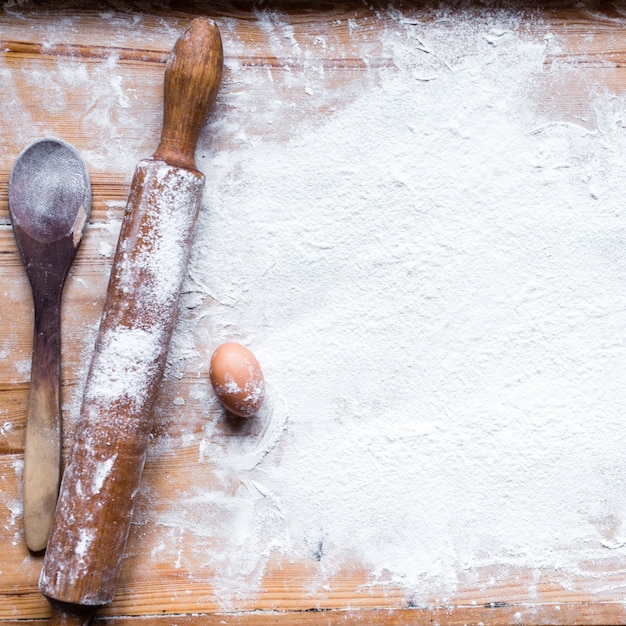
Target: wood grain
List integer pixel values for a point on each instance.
(142, 300)
(51, 40)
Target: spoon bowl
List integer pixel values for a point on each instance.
(49, 202)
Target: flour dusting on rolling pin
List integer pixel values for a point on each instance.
(93, 514)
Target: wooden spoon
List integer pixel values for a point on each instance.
(49, 202)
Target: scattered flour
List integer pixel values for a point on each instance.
(429, 269)
(431, 278)
(102, 470)
(126, 362)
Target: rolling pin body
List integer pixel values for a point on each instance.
(87, 543)
(95, 505)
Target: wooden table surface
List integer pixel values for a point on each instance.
(114, 120)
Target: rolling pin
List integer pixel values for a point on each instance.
(94, 509)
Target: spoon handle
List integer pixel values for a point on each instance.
(42, 455)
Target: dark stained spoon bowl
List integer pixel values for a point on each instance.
(49, 203)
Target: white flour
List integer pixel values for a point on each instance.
(432, 280)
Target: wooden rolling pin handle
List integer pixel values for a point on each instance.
(192, 77)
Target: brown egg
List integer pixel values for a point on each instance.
(237, 379)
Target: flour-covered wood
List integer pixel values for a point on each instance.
(98, 490)
(290, 69)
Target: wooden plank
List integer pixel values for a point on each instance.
(163, 574)
(170, 588)
(43, 42)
